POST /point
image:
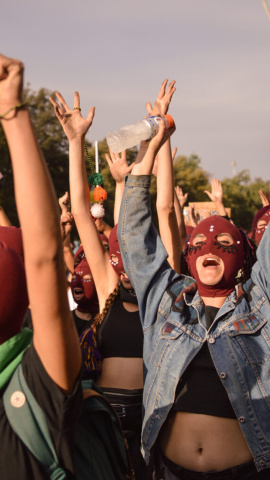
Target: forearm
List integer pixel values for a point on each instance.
(68, 254)
(145, 160)
(220, 209)
(168, 227)
(119, 190)
(180, 220)
(35, 196)
(97, 256)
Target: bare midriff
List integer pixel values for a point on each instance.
(119, 372)
(203, 442)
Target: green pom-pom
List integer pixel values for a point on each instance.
(95, 179)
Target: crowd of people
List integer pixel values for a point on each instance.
(170, 325)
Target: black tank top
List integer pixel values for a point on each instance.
(200, 390)
(120, 333)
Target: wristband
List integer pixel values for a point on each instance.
(19, 105)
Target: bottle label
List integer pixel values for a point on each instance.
(153, 121)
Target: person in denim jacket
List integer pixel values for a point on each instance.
(206, 342)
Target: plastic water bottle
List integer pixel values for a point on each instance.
(131, 135)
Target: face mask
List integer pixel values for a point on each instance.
(114, 249)
(83, 289)
(12, 236)
(262, 215)
(14, 298)
(231, 255)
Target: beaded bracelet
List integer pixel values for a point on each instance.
(19, 105)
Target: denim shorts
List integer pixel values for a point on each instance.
(165, 469)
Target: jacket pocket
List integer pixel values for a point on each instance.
(250, 337)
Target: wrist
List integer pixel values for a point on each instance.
(10, 110)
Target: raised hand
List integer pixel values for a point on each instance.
(118, 165)
(163, 100)
(11, 85)
(216, 194)
(265, 198)
(181, 197)
(66, 224)
(64, 203)
(73, 123)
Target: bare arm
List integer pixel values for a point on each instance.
(55, 337)
(216, 195)
(76, 127)
(167, 220)
(119, 169)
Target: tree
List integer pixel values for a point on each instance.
(53, 144)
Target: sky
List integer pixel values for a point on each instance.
(117, 53)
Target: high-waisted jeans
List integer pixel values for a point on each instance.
(128, 406)
(165, 469)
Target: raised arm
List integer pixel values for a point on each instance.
(55, 336)
(216, 195)
(119, 168)
(66, 225)
(144, 256)
(76, 127)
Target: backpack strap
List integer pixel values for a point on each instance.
(29, 423)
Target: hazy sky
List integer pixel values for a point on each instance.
(116, 54)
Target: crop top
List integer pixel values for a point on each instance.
(120, 333)
(200, 390)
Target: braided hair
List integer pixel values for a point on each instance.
(100, 316)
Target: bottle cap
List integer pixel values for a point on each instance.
(170, 121)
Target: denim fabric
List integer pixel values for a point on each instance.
(167, 470)
(173, 318)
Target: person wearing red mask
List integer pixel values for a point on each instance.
(206, 342)
(260, 223)
(49, 356)
(117, 328)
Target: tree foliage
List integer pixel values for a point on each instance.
(240, 192)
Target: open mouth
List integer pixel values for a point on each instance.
(125, 277)
(210, 262)
(78, 293)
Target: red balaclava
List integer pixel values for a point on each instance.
(189, 230)
(262, 214)
(114, 249)
(14, 297)
(232, 255)
(12, 236)
(88, 303)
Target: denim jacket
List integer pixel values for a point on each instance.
(173, 318)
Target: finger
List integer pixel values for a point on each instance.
(149, 108)
(124, 155)
(76, 100)
(162, 89)
(174, 153)
(108, 159)
(91, 115)
(62, 101)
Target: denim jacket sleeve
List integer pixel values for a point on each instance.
(261, 270)
(143, 254)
